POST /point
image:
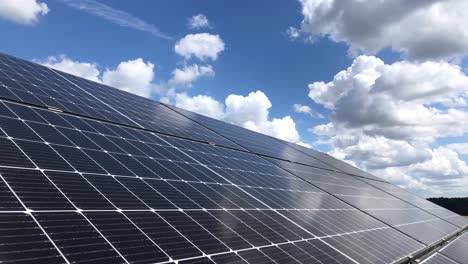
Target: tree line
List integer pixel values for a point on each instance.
(457, 205)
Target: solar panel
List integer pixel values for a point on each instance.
(97, 183)
(335, 163)
(417, 201)
(438, 259)
(253, 141)
(391, 210)
(231, 201)
(35, 84)
(456, 250)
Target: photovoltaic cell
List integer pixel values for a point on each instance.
(79, 191)
(438, 259)
(335, 163)
(375, 249)
(24, 242)
(9, 201)
(203, 260)
(253, 141)
(456, 250)
(135, 188)
(130, 241)
(389, 209)
(35, 84)
(106, 176)
(419, 202)
(164, 235)
(77, 239)
(35, 190)
(230, 258)
(12, 156)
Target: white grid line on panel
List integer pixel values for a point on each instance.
(387, 225)
(218, 174)
(268, 206)
(123, 165)
(83, 90)
(28, 211)
(66, 197)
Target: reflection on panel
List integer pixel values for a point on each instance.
(253, 141)
(35, 84)
(456, 250)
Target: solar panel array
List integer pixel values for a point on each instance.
(89, 173)
(452, 253)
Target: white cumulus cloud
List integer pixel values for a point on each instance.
(305, 109)
(386, 118)
(460, 148)
(202, 46)
(198, 21)
(420, 29)
(189, 73)
(23, 11)
(293, 33)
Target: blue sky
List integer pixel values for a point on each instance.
(398, 109)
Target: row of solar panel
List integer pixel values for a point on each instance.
(75, 138)
(453, 253)
(53, 164)
(273, 147)
(146, 237)
(76, 177)
(31, 83)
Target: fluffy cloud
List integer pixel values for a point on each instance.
(134, 76)
(460, 148)
(442, 175)
(23, 11)
(293, 33)
(386, 117)
(202, 46)
(406, 101)
(251, 112)
(444, 162)
(305, 109)
(198, 21)
(420, 29)
(188, 74)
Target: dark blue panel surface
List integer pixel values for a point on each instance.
(253, 141)
(35, 84)
(35, 190)
(89, 173)
(335, 163)
(77, 239)
(24, 242)
(381, 205)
